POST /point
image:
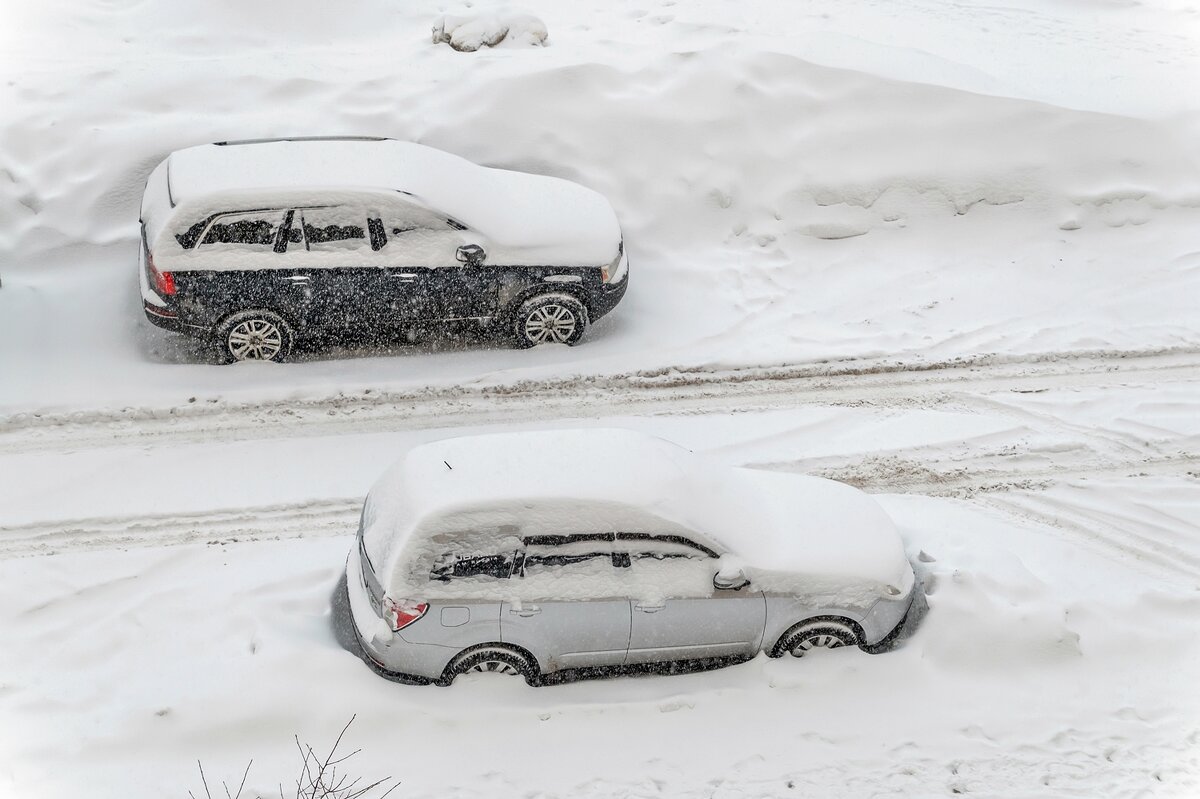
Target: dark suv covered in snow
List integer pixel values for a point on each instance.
(253, 244)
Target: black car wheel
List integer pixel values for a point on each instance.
(254, 335)
(491, 659)
(816, 634)
(554, 318)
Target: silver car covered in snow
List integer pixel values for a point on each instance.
(530, 553)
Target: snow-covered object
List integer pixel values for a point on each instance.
(523, 216)
(487, 492)
(467, 33)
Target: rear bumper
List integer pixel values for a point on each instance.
(163, 317)
(388, 651)
(167, 319)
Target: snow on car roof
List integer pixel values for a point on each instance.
(513, 208)
(589, 480)
(522, 469)
(299, 163)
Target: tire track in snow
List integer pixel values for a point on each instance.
(1010, 475)
(1142, 549)
(1018, 493)
(965, 479)
(335, 517)
(663, 392)
(315, 519)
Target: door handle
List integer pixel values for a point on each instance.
(647, 608)
(407, 277)
(529, 610)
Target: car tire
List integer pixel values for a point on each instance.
(816, 634)
(254, 335)
(551, 318)
(494, 659)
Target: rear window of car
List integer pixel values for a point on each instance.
(256, 229)
(451, 566)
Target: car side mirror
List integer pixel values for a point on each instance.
(471, 254)
(730, 579)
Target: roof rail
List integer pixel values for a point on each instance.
(300, 138)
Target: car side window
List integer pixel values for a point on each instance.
(649, 545)
(253, 229)
(419, 234)
(550, 560)
(668, 566)
(412, 219)
(335, 229)
(580, 566)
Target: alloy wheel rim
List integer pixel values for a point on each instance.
(494, 667)
(255, 340)
(550, 323)
(819, 641)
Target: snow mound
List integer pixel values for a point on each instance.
(470, 32)
(983, 625)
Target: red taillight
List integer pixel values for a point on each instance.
(164, 282)
(399, 613)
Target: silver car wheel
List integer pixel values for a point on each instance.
(820, 633)
(491, 659)
(550, 323)
(255, 340)
(820, 640)
(494, 667)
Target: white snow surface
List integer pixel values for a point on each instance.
(790, 530)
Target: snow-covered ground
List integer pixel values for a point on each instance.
(945, 251)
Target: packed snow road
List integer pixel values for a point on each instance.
(673, 390)
(1017, 439)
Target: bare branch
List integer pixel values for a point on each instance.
(207, 792)
(347, 757)
(245, 774)
(319, 777)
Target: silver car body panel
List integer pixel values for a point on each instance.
(727, 624)
(566, 635)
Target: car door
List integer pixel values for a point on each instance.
(467, 288)
(677, 614)
(426, 279)
(343, 280)
(242, 250)
(568, 606)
